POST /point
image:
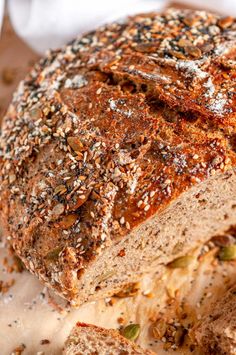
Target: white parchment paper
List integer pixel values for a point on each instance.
(30, 313)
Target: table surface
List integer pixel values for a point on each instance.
(15, 60)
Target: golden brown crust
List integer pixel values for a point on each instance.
(110, 129)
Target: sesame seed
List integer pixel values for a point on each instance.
(146, 208)
(213, 171)
(222, 165)
(127, 225)
(167, 181)
(152, 193)
(122, 220)
(103, 236)
(140, 202)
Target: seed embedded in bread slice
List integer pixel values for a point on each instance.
(87, 339)
(118, 154)
(216, 333)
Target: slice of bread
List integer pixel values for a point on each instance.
(216, 333)
(88, 339)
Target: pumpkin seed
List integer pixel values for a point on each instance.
(60, 189)
(180, 335)
(207, 47)
(190, 20)
(35, 113)
(75, 143)
(68, 221)
(181, 262)
(193, 51)
(146, 47)
(228, 253)
(225, 22)
(184, 42)
(177, 54)
(53, 254)
(131, 332)
(58, 209)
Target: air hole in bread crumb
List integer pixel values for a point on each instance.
(128, 86)
(190, 116)
(144, 88)
(202, 201)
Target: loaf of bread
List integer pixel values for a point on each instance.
(86, 339)
(118, 151)
(216, 333)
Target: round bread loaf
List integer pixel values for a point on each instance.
(118, 151)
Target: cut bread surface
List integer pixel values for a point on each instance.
(117, 154)
(216, 333)
(87, 339)
(206, 210)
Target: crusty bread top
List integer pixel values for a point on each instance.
(98, 340)
(110, 129)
